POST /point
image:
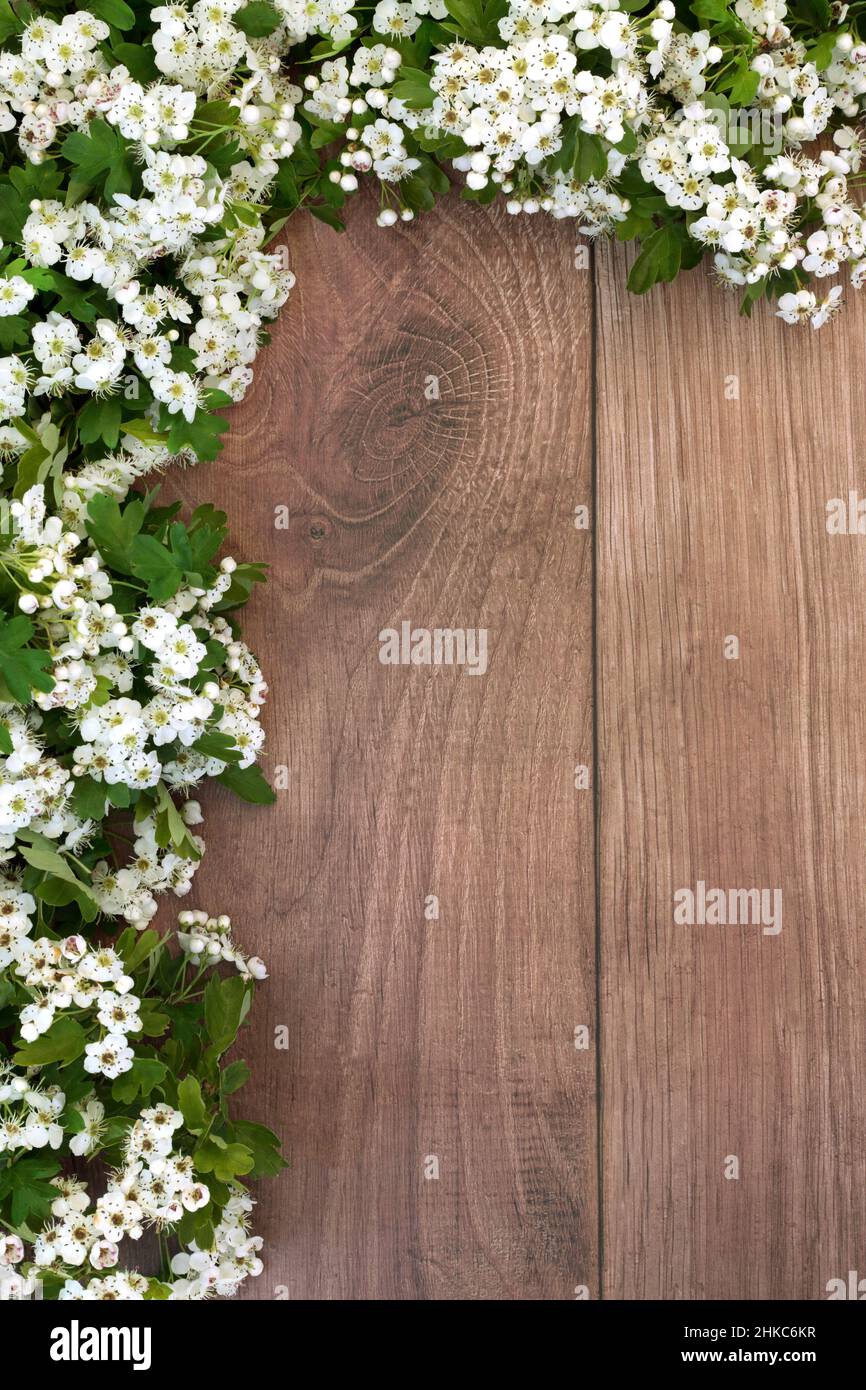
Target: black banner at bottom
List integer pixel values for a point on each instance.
(227, 1337)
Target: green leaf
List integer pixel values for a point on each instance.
(817, 13)
(257, 19)
(225, 1006)
(821, 52)
(55, 892)
(9, 22)
(74, 297)
(32, 1193)
(192, 1106)
(99, 158)
(264, 1146)
(157, 1292)
(41, 854)
(233, 1077)
(244, 579)
(113, 531)
(153, 1022)
(155, 563)
(13, 208)
(14, 333)
(217, 745)
(477, 21)
(201, 434)
(325, 134)
(413, 87)
(322, 213)
(88, 798)
(144, 1075)
(114, 12)
(171, 829)
(29, 469)
(204, 1236)
(225, 1161)
(138, 60)
(22, 668)
(143, 945)
(744, 88)
(64, 1041)
(100, 419)
(211, 114)
(6, 744)
(119, 795)
(186, 559)
(659, 260)
(590, 157)
(249, 784)
(720, 18)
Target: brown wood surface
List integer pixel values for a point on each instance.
(720, 1040)
(412, 1038)
(454, 1038)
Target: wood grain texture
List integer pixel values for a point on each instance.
(719, 1040)
(410, 1038)
(453, 1038)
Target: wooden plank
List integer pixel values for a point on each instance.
(409, 1038)
(721, 1040)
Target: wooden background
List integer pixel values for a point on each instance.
(706, 447)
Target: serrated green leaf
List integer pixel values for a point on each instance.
(263, 1144)
(100, 157)
(100, 420)
(659, 260)
(217, 745)
(226, 1161)
(249, 784)
(257, 19)
(114, 12)
(63, 1042)
(233, 1077)
(821, 52)
(201, 435)
(225, 1006)
(88, 798)
(413, 88)
(138, 60)
(145, 1074)
(142, 945)
(28, 1182)
(113, 530)
(191, 1105)
(23, 669)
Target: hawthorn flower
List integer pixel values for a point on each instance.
(111, 1056)
(88, 1138)
(118, 1013)
(177, 391)
(116, 1216)
(15, 295)
(104, 1254)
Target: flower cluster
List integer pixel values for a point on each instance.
(208, 940)
(145, 166)
(30, 1115)
(589, 111)
(132, 699)
(175, 1164)
(150, 286)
